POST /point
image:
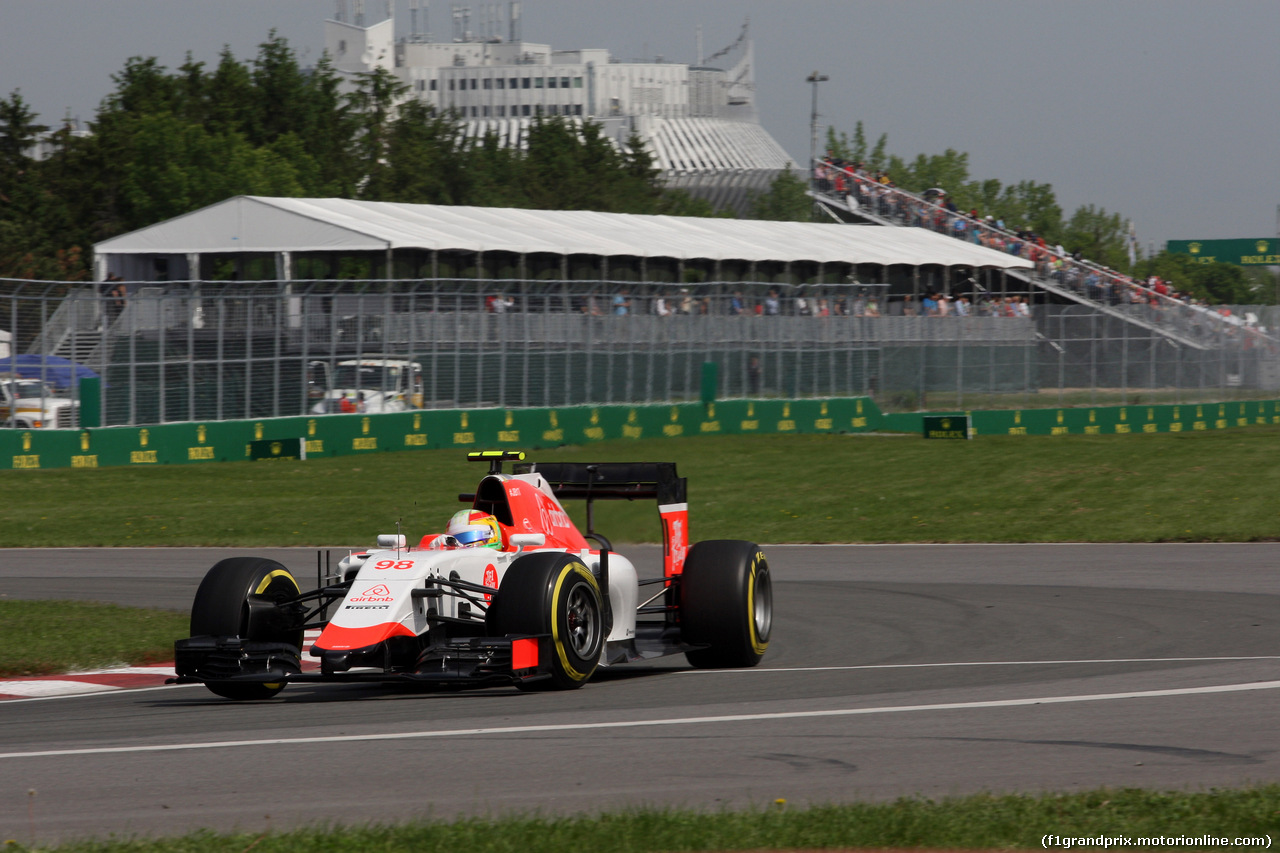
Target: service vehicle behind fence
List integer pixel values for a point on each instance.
(374, 384)
(32, 404)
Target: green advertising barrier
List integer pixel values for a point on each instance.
(1102, 420)
(354, 434)
(351, 435)
(1248, 252)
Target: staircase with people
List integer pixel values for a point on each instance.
(849, 192)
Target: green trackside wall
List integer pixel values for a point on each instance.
(348, 435)
(1102, 420)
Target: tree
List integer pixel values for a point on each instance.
(279, 102)
(786, 199)
(18, 130)
(1097, 235)
(1214, 283)
(374, 103)
(424, 161)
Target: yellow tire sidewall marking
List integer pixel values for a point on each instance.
(262, 586)
(278, 573)
(565, 572)
(757, 645)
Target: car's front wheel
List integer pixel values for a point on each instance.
(556, 594)
(224, 606)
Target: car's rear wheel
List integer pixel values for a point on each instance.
(556, 594)
(222, 608)
(726, 603)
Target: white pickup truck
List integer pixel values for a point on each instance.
(32, 404)
(370, 384)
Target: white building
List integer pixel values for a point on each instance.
(700, 122)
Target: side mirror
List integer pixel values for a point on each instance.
(391, 540)
(528, 540)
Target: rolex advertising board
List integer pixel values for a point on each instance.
(1263, 251)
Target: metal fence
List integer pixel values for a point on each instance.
(221, 350)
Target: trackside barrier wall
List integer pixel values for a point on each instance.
(347, 435)
(1102, 420)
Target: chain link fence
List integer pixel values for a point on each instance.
(231, 350)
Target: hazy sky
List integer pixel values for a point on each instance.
(1162, 110)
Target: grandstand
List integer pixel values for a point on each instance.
(1057, 278)
(1073, 296)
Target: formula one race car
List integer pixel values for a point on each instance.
(510, 594)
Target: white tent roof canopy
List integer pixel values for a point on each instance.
(297, 225)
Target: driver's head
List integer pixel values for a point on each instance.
(472, 528)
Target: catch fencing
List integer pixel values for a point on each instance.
(211, 351)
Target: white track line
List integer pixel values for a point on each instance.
(51, 689)
(754, 670)
(630, 724)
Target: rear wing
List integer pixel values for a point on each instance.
(626, 481)
(622, 481)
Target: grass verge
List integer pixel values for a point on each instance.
(1218, 486)
(976, 822)
(44, 637)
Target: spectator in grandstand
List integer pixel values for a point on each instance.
(736, 305)
(686, 302)
(622, 302)
(772, 305)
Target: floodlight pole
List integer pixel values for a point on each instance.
(815, 78)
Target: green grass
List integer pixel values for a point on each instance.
(1217, 486)
(43, 637)
(976, 822)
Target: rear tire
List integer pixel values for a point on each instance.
(221, 609)
(556, 594)
(726, 603)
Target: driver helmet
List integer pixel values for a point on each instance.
(472, 528)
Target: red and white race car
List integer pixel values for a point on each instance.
(540, 607)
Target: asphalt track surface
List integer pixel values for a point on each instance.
(894, 670)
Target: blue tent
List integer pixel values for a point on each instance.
(57, 371)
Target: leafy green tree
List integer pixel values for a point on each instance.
(1214, 283)
(948, 171)
(328, 142)
(228, 93)
(374, 105)
(878, 160)
(424, 162)
(1097, 235)
(786, 199)
(144, 86)
(1028, 204)
(840, 145)
(18, 130)
(279, 102)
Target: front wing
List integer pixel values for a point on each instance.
(471, 662)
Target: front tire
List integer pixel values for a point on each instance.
(556, 594)
(222, 609)
(726, 603)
